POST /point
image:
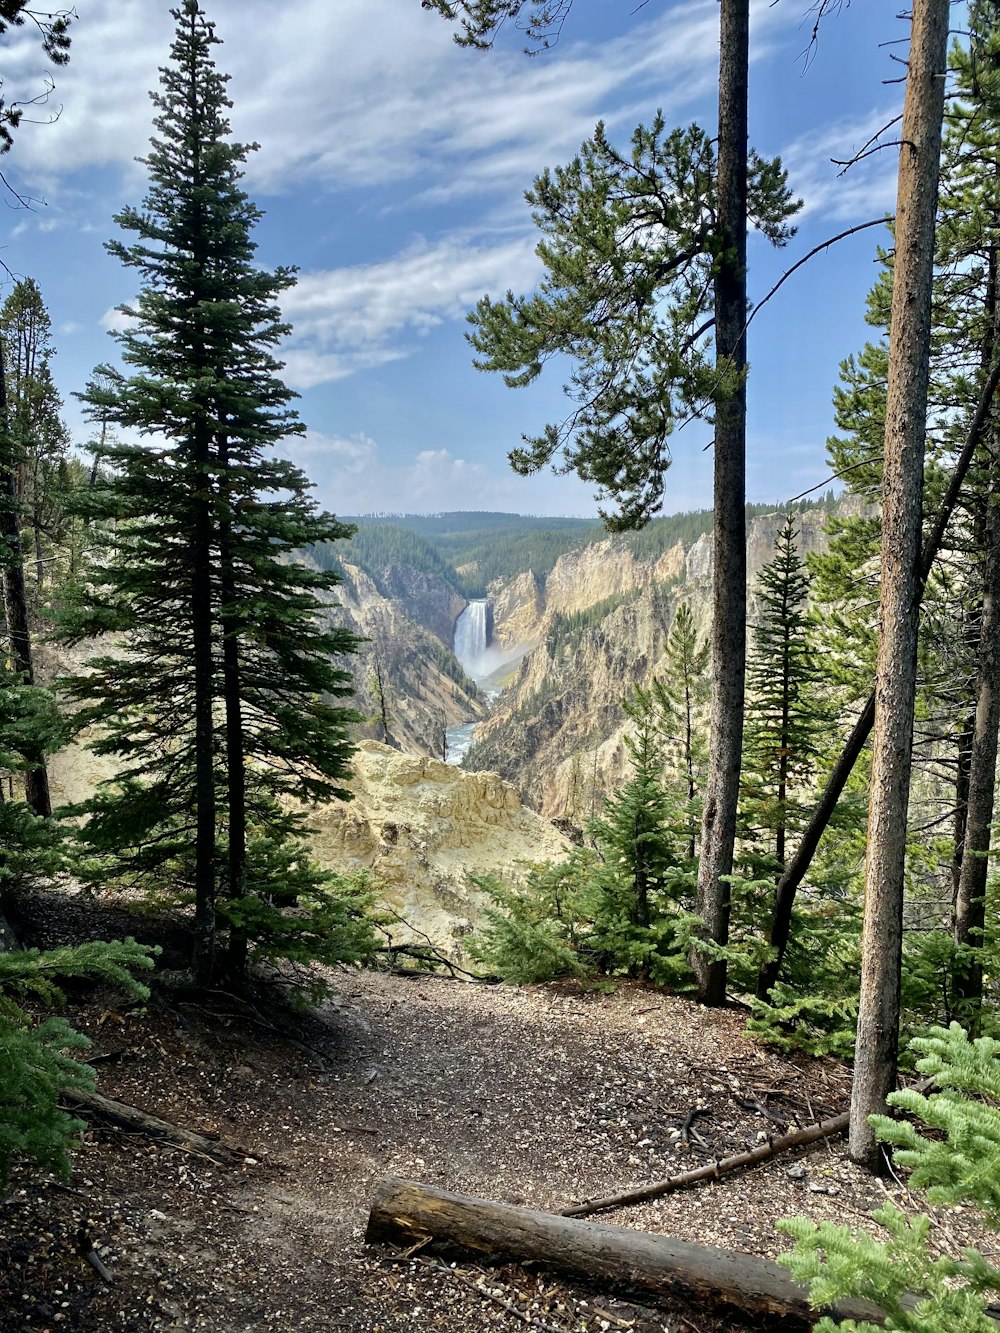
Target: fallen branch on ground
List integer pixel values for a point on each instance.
(131, 1118)
(798, 1138)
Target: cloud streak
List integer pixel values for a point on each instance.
(369, 92)
(355, 318)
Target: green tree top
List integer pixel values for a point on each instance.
(630, 244)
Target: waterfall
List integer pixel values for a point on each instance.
(472, 637)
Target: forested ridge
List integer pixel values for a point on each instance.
(469, 551)
(259, 967)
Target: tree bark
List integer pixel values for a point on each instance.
(798, 1138)
(718, 832)
(236, 777)
(15, 596)
(902, 495)
(402, 1212)
(204, 740)
(135, 1121)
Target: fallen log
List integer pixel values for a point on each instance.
(403, 1211)
(96, 1106)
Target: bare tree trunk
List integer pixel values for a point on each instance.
(963, 760)
(899, 601)
(970, 900)
(718, 831)
(799, 864)
(403, 1211)
(204, 687)
(237, 950)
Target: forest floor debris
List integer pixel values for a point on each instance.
(540, 1096)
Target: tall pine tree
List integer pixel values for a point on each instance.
(784, 720)
(222, 696)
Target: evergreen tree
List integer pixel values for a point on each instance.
(224, 698)
(17, 629)
(633, 831)
(901, 582)
(784, 726)
(957, 1163)
(39, 1057)
(679, 698)
(785, 723)
(40, 438)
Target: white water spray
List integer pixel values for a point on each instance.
(472, 633)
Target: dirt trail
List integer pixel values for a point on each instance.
(536, 1096)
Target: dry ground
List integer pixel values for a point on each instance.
(540, 1095)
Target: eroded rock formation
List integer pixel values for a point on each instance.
(422, 827)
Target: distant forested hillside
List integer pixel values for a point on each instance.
(468, 550)
(377, 547)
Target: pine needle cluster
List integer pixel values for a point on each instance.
(38, 1057)
(921, 1287)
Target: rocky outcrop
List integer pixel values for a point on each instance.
(422, 827)
(425, 599)
(558, 732)
(518, 607)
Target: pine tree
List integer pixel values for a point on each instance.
(17, 628)
(224, 698)
(957, 1163)
(40, 438)
(679, 698)
(901, 583)
(784, 720)
(633, 831)
(39, 1057)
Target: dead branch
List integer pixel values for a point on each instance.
(130, 1118)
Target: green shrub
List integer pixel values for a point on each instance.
(958, 1163)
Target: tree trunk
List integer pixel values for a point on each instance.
(133, 1120)
(15, 597)
(899, 601)
(204, 740)
(718, 831)
(402, 1212)
(236, 778)
(970, 900)
(963, 766)
(709, 1171)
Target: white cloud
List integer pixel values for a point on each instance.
(866, 189)
(368, 91)
(115, 320)
(355, 475)
(351, 319)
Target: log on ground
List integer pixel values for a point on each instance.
(403, 1211)
(97, 1107)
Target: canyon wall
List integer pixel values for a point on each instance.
(423, 827)
(424, 688)
(597, 625)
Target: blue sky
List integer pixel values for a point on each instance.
(392, 166)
